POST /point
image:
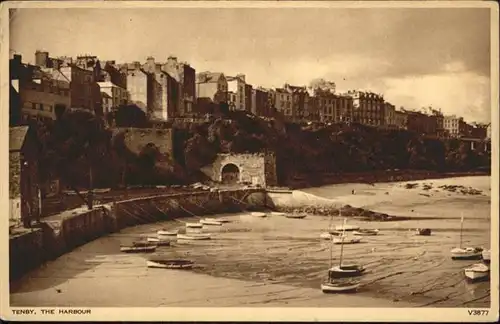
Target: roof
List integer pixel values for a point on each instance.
(105, 95)
(17, 135)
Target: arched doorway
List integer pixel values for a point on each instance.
(230, 174)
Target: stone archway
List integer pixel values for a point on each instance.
(230, 174)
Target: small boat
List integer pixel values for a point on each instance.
(346, 271)
(335, 232)
(337, 286)
(258, 214)
(468, 253)
(170, 263)
(296, 216)
(346, 239)
(478, 271)
(210, 222)
(366, 232)
(423, 231)
(347, 228)
(102, 190)
(139, 247)
(158, 242)
(220, 220)
(486, 255)
(167, 233)
(194, 225)
(277, 213)
(325, 236)
(193, 236)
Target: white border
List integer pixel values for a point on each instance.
(256, 314)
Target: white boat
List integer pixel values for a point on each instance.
(170, 264)
(138, 247)
(167, 233)
(296, 216)
(258, 214)
(158, 242)
(340, 286)
(277, 214)
(423, 231)
(366, 232)
(325, 236)
(210, 222)
(468, 253)
(347, 228)
(486, 256)
(478, 271)
(197, 236)
(194, 225)
(346, 239)
(220, 220)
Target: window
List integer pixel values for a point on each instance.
(33, 105)
(49, 108)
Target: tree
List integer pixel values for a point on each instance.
(129, 116)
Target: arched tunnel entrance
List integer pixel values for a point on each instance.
(230, 174)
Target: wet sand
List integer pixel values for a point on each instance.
(276, 261)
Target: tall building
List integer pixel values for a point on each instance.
(113, 86)
(237, 86)
(332, 107)
(300, 103)
(368, 107)
(248, 97)
(401, 119)
(421, 123)
(283, 102)
(35, 93)
(212, 85)
(185, 76)
(389, 115)
(454, 126)
(260, 102)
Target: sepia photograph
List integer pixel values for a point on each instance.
(250, 160)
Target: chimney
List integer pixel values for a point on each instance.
(41, 58)
(172, 60)
(136, 65)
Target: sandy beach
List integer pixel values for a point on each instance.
(277, 261)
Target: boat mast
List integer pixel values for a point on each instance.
(342, 243)
(461, 229)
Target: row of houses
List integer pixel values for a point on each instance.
(172, 89)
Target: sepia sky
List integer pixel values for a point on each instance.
(415, 57)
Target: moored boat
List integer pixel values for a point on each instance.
(220, 220)
(277, 213)
(335, 232)
(158, 242)
(346, 239)
(170, 263)
(347, 228)
(194, 225)
(366, 232)
(486, 255)
(193, 236)
(346, 271)
(423, 231)
(325, 236)
(167, 233)
(478, 271)
(467, 253)
(139, 247)
(210, 222)
(296, 216)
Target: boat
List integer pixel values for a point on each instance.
(325, 236)
(347, 228)
(486, 254)
(465, 253)
(338, 286)
(366, 232)
(335, 232)
(346, 271)
(102, 190)
(139, 247)
(478, 271)
(423, 231)
(158, 242)
(210, 222)
(167, 233)
(194, 236)
(468, 253)
(258, 214)
(170, 263)
(296, 216)
(277, 213)
(194, 225)
(220, 220)
(346, 239)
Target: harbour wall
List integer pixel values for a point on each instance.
(61, 233)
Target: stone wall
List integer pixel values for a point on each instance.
(137, 138)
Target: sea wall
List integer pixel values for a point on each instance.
(61, 233)
(277, 199)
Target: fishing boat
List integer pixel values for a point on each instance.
(193, 236)
(158, 242)
(167, 233)
(340, 286)
(139, 247)
(465, 253)
(478, 271)
(258, 214)
(296, 216)
(423, 231)
(338, 276)
(347, 228)
(346, 239)
(486, 256)
(194, 225)
(366, 232)
(210, 222)
(170, 263)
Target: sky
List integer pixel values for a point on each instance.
(416, 57)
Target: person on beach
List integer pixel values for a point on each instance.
(353, 191)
